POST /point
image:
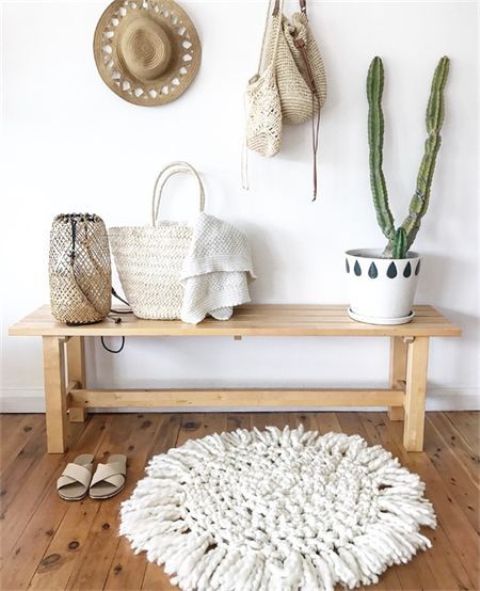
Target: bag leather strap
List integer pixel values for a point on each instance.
(300, 45)
(275, 10)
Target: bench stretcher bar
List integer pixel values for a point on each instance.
(233, 398)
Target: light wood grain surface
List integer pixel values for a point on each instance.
(53, 545)
(250, 320)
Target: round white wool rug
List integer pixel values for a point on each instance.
(276, 511)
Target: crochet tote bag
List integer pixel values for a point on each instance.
(262, 99)
(149, 259)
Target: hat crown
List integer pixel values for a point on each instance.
(145, 48)
(148, 51)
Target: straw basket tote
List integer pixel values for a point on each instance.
(149, 259)
(290, 85)
(79, 269)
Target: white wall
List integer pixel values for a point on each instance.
(70, 144)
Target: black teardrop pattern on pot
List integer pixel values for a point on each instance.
(357, 269)
(408, 270)
(417, 269)
(347, 266)
(373, 271)
(392, 270)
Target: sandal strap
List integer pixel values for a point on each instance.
(74, 473)
(113, 474)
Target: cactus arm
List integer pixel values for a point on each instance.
(434, 120)
(375, 139)
(399, 247)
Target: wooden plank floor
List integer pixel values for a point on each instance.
(50, 544)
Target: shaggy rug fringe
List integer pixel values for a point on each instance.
(205, 556)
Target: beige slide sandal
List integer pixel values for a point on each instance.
(109, 479)
(75, 479)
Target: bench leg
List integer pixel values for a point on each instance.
(416, 387)
(76, 374)
(398, 372)
(55, 394)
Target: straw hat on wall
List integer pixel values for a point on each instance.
(147, 51)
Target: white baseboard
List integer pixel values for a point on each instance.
(14, 400)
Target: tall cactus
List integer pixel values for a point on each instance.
(401, 239)
(375, 140)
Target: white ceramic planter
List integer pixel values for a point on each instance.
(381, 290)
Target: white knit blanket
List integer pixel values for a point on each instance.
(216, 271)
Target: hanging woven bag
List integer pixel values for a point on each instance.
(298, 77)
(149, 259)
(79, 269)
(262, 100)
(299, 70)
(301, 78)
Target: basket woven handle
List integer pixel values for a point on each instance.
(169, 171)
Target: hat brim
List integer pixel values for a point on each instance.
(182, 68)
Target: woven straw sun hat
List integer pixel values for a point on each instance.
(147, 51)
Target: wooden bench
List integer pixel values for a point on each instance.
(67, 395)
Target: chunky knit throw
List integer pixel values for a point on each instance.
(277, 511)
(216, 271)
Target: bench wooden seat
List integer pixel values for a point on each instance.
(66, 391)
